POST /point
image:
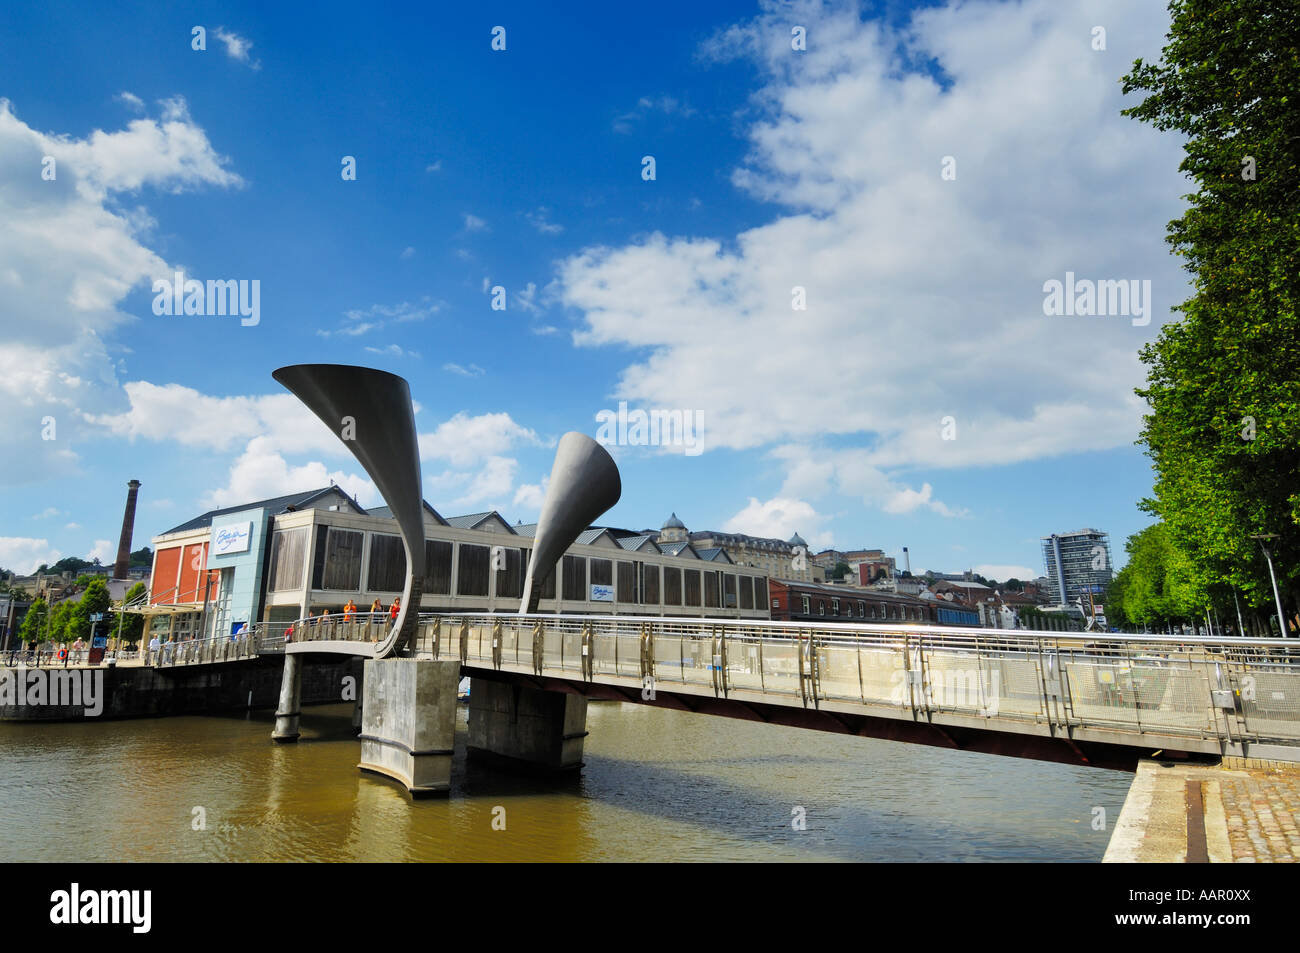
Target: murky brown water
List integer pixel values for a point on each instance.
(658, 785)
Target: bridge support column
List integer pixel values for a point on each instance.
(538, 727)
(408, 721)
(286, 713)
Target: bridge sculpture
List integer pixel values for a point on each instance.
(1087, 699)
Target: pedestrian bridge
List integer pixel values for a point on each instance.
(1105, 700)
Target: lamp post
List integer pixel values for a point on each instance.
(1281, 618)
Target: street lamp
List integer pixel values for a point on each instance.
(1281, 619)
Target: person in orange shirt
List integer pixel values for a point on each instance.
(348, 610)
(395, 608)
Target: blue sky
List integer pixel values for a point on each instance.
(775, 169)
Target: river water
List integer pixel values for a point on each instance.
(658, 785)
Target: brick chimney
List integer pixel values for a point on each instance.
(128, 526)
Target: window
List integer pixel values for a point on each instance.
(548, 584)
(760, 590)
(472, 570)
(650, 585)
(337, 564)
(862, 610)
(747, 592)
(806, 609)
(776, 603)
(386, 571)
(711, 589)
(437, 567)
(575, 578)
(602, 574)
(510, 580)
(692, 587)
(288, 553)
(627, 588)
(729, 591)
(821, 606)
(672, 586)
(835, 604)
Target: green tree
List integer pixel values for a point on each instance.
(1157, 587)
(132, 624)
(1223, 383)
(142, 557)
(33, 626)
(56, 627)
(94, 600)
(840, 571)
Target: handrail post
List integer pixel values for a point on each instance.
(496, 643)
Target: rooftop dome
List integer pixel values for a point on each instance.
(797, 540)
(673, 523)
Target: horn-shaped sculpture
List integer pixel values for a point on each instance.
(584, 484)
(371, 412)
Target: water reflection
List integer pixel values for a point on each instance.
(657, 785)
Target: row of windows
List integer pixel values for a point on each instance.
(865, 610)
(338, 557)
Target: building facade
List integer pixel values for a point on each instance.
(788, 559)
(283, 559)
(1078, 565)
(795, 601)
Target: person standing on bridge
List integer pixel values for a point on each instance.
(349, 610)
(395, 608)
(376, 611)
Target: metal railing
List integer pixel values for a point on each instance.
(1230, 690)
(200, 651)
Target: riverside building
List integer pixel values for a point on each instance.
(282, 559)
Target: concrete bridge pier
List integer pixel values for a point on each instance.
(529, 725)
(287, 712)
(408, 721)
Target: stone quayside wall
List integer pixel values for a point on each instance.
(139, 692)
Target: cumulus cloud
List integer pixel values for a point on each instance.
(780, 518)
(104, 550)
(464, 441)
(22, 554)
(538, 220)
(923, 296)
(474, 224)
(69, 253)
(261, 472)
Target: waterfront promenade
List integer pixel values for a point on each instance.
(1243, 810)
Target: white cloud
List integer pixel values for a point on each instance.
(538, 220)
(526, 298)
(484, 488)
(668, 105)
(435, 166)
(780, 518)
(22, 554)
(177, 414)
(72, 526)
(1001, 573)
(474, 224)
(407, 253)
(924, 296)
(260, 472)
(465, 441)
(532, 495)
(48, 512)
(104, 550)
(472, 371)
(69, 253)
(237, 47)
(393, 350)
(131, 100)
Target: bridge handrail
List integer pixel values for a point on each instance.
(850, 628)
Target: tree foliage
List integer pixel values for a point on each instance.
(33, 626)
(1223, 383)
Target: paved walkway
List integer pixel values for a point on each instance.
(1243, 811)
